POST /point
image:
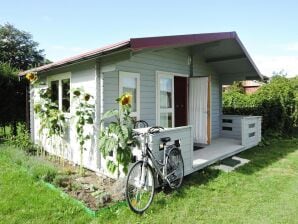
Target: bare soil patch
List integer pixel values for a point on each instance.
(94, 190)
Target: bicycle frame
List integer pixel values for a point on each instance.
(149, 171)
(157, 165)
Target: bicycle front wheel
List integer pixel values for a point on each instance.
(140, 187)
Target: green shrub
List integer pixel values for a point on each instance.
(22, 139)
(12, 95)
(276, 102)
(42, 171)
(61, 181)
(39, 168)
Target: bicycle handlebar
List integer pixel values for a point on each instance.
(155, 129)
(152, 130)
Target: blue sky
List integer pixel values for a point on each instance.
(268, 29)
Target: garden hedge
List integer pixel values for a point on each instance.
(276, 101)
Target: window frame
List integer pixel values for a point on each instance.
(159, 110)
(125, 74)
(59, 78)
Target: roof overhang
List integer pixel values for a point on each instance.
(229, 57)
(81, 57)
(218, 57)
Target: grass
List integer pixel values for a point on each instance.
(25, 200)
(262, 191)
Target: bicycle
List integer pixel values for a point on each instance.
(140, 184)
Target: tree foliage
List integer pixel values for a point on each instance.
(18, 49)
(12, 96)
(276, 101)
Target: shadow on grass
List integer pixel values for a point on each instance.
(262, 157)
(198, 178)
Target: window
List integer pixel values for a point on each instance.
(55, 91)
(60, 88)
(165, 93)
(130, 83)
(65, 95)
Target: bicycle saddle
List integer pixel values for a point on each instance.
(165, 139)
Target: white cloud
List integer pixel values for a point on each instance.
(270, 64)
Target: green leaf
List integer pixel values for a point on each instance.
(124, 131)
(89, 120)
(109, 114)
(111, 166)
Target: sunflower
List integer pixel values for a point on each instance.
(32, 77)
(125, 99)
(87, 97)
(76, 92)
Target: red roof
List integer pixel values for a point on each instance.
(179, 40)
(136, 44)
(80, 57)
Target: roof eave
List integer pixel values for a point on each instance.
(138, 44)
(77, 59)
(248, 57)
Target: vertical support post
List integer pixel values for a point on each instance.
(243, 131)
(31, 113)
(208, 111)
(98, 110)
(27, 91)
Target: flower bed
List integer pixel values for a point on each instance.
(94, 191)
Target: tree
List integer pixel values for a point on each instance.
(18, 49)
(12, 96)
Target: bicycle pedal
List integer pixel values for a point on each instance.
(172, 177)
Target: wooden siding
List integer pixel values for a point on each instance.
(82, 75)
(184, 134)
(251, 131)
(231, 126)
(111, 90)
(215, 106)
(245, 129)
(101, 79)
(200, 68)
(147, 63)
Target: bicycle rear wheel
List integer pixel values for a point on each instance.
(140, 195)
(175, 168)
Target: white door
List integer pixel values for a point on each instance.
(198, 108)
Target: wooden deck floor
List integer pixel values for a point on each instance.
(219, 149)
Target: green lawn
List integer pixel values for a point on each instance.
(263, 191)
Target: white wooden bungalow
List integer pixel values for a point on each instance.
(176, 82)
